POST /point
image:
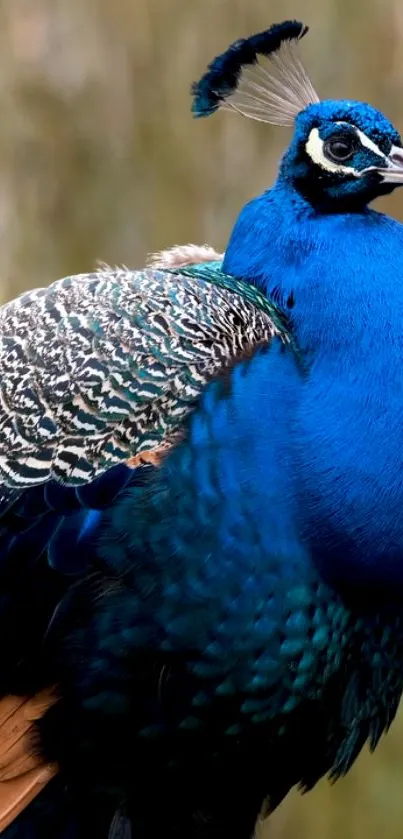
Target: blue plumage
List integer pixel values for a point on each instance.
(226, 623)
(344, 265)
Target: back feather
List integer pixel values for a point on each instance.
(103, 368)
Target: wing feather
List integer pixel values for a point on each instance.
(100, 368)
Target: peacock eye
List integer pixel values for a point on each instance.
(340, 149)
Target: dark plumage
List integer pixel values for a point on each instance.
(183, 326)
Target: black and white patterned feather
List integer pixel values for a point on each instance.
(102, 367)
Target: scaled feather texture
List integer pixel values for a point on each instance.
(99, 368)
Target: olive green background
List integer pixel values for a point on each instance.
(100, 159)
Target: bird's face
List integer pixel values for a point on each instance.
(343, 155)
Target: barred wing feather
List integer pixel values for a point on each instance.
(104, 367)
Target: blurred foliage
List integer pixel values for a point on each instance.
(101, 159)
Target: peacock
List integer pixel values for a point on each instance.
(201, 526)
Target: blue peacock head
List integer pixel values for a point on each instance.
(343, 153)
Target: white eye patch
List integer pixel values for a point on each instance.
(314, 147)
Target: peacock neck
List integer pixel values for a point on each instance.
(340, 278)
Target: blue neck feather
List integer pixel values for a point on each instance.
(340, 277)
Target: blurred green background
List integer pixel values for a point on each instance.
(100, 159)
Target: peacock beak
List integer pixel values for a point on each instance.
(393, 173)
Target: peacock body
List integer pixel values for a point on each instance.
(225, 621)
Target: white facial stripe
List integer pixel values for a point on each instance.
(314, 148)
(364, 140)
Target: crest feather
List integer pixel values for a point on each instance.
(261, 77)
